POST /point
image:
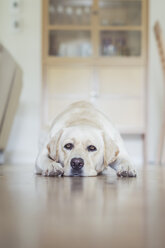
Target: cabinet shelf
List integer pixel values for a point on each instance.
(70, 27)
(118, 28)
(94, 61)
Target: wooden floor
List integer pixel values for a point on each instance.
(103, 211)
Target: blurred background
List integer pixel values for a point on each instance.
(103, 51)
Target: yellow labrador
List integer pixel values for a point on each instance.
(83, 142)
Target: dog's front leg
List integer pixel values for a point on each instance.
(123, 166)
(46, 166)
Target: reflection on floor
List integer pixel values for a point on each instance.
(103, 211)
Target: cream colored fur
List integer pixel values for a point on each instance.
(82, 125)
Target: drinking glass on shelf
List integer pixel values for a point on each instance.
(68, 12)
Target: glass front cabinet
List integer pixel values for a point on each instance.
(96, 50)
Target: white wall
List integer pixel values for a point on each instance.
(26, 48)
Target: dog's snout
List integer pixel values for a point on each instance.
(77, 163)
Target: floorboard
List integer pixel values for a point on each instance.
(103, 211)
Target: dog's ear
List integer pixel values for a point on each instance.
(111, 150)
(53, 146)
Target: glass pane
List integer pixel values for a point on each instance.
(70, 12)
(120, 43)
(120, 12)
(70, 43)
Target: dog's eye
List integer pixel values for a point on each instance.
(91, 148)
(68, 146)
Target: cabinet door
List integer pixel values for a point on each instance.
(65, 85)
(120, 13)
(120, 43)
(125, 113)
(121, 95)
(70, 43)
(70, 12)
(121, 81)
(68, 80)
(70, 23)
(120, 24)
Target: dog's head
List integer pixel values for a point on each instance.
(82, 151)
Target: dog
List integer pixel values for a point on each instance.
(83, 142)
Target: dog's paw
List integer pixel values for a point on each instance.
(126, 171)
(53, 169)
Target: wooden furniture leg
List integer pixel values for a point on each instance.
(161, 50)
(161, 141)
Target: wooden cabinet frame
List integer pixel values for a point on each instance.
(96, 61)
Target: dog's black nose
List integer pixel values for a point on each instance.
(77, 163)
